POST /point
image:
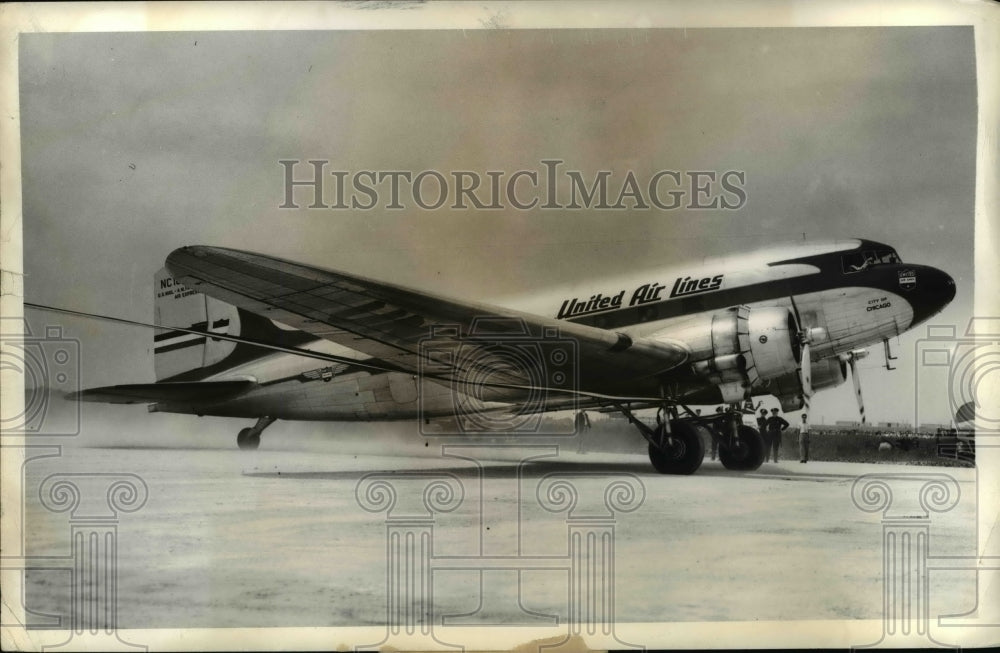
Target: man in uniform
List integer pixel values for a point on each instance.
(775, 425)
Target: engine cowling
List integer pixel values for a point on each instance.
(745, 347)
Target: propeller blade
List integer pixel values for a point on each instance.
(800, 332)
(857, 387)
(795, 314)
(805, 376)
(805, 362)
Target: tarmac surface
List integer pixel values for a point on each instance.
(229, 538)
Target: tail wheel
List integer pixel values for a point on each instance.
(247, 439)
(682, 450)
(746, 453)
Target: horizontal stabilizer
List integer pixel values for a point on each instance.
(144, 393)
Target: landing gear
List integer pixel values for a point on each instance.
(675, 447)
(680, 451)
(743, 451)
(248, 439)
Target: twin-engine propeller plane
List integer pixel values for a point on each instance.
(240, 334)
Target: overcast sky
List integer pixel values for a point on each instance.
(134, 144)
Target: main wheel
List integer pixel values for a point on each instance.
(246, 439)
(682, 451)
(746, 454)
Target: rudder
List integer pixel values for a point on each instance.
(176, 352)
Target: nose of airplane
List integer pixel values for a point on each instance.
(932, 290)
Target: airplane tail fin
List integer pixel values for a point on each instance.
(176, 352)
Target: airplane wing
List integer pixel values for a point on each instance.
(144, 393)
(421, 332)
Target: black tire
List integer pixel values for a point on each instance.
(747, 455)
(247, 440)
(683, 451)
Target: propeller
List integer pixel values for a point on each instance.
(805, 361)
(804, 335)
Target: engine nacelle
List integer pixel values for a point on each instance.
(745, 346)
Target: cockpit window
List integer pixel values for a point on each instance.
(887, 256)
(858, 261)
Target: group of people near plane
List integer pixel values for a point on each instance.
(770, 427)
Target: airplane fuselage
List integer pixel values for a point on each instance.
(848, 294)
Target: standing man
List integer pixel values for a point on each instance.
(582, 425)
(804, 439)
(775, 425)
(762, 427)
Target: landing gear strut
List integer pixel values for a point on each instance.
(249, 438)
(675, 447)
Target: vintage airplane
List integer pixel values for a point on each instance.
(247, 335)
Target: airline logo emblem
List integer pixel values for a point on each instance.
(907, 279)
(644, 294)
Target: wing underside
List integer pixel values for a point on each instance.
(424, 333)
(144, 393)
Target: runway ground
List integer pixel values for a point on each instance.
(277, 538)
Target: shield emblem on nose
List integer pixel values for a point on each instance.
(907, 279)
